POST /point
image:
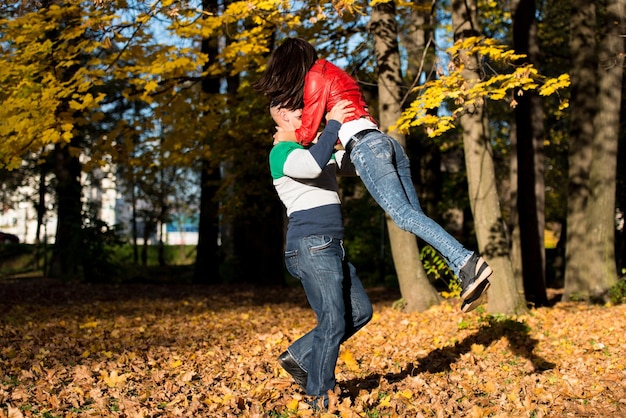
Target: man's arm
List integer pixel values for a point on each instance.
(309, 163)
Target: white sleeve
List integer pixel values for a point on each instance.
(300, 164)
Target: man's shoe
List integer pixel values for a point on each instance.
(472, 275)
(288, 363)
(318, 404)
(475, 301)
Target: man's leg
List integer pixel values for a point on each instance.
(321, 273)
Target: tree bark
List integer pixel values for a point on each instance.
(583, 108)
(207, 260)
(514, 227)
(530, 200)
(40, 207)
(417, 292)
(504, 295)
(67, 254)
(602, 182)
(424, 153)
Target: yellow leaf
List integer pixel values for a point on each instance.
(151, 86)
(90, 324)
(348, 359)
(293, 405)
(176, 363)
(490, 387)
(478, 348)
(113, 379)
(75, 105)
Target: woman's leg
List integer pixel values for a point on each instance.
(385, 170)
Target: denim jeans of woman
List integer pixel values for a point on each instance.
(385, 171)
(338, 299)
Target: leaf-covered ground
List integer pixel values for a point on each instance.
(167, 351)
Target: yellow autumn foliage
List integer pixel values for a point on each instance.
(459, 95)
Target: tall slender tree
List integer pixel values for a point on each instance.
(207, 255)
(583, 108)
(67, 254)
(602, 175)
(416, 290)
(530, 160)
(505, 297)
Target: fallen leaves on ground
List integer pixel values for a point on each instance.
(203, 351)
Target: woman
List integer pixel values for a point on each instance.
(297, 78)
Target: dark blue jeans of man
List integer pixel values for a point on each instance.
(385, 171)
(338, 299)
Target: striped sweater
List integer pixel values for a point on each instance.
(305, 180)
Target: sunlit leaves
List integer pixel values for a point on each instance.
(46, 80)
(440, 102)
(64, 66)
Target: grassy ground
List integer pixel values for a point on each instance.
(25, 260)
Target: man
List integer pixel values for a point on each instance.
(305, 180)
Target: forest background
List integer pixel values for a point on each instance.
(510, 111)
(478, 92)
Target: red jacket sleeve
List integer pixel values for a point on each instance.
(315, 101)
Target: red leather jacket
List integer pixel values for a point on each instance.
(324, 85)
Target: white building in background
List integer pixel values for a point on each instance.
(19, 217)
(101, 192)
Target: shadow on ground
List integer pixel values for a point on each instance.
(443, 359)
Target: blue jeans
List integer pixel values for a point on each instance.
(338, 299)
(385, 170)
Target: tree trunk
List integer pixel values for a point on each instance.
(133, 221)
(258, 248)
(424, 153)
(583, 108)
(41, 212)
(417, 39)
(516, 250)
(530, 177)
(416, 290)
(67, 254)
(504, 295)
(620, 244)
(602, 181)
(207, 260)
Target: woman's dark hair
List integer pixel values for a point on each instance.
(283, 80)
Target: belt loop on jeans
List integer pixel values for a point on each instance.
(357, 137)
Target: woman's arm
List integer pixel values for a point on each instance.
(315, 101)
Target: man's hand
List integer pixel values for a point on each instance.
(281, 135)
(340, 111)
